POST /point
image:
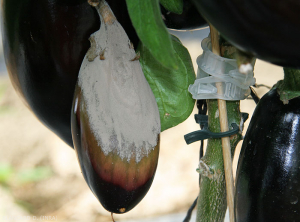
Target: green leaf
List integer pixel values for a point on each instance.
(175, 6)
(151, 30)
(170, 86)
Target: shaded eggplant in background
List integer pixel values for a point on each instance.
(267, 29)
(44, 43)
(268, 172)
(189, 19)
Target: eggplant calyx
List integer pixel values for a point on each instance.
(289, 87)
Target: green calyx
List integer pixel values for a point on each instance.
(289, 87)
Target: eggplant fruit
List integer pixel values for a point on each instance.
(268, 173)
(44, 44)
(115, 119)
(267, 29)
(189, 19)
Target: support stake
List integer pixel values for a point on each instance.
(224, 128)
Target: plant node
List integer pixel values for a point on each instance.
(205, 170)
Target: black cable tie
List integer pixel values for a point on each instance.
(190, 211)
(202, 120)
(207, 134)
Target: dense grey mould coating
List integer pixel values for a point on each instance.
(121, 107)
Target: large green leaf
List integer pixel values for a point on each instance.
(175, 6)
(147, 21)
(170, 86)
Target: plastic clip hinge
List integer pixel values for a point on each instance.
(214, 69)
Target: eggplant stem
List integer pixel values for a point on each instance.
(106, 13)
(288, 88)
(112, 217)
(93, 2)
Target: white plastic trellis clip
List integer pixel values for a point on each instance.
(214, 69)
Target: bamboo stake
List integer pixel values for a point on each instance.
(224, 128)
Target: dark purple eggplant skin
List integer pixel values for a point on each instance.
(268, 29)
(189, 19)
(44, 44)
(268, 172)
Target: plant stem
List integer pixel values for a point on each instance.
(212, 203)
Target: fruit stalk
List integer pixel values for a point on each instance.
(288, 88)
(212, 203)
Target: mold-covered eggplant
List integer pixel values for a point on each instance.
(115, 119)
